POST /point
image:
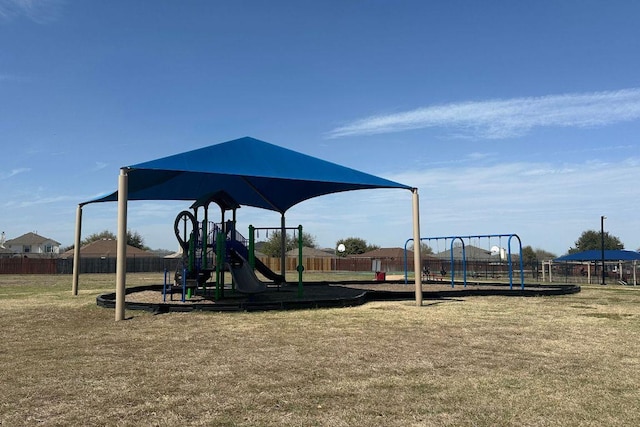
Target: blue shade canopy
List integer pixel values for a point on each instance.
(596, 255)
(252, 172)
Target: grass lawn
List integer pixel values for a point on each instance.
(572, 360)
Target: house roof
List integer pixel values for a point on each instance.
(386, 253)
(596, 255)
(108, 248)
(30, 239)
(250, 172)
(471, 253)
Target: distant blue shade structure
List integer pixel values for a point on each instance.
(596, 255)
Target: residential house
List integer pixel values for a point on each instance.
(389, 259)
(471, 253)
(33, 245)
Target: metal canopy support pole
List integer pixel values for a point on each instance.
(121, 254)
(76, 251)
(416, 246)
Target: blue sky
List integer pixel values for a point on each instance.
(509, 116)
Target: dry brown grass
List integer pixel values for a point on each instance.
(485, 361)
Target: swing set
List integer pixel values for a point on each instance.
(493, 250)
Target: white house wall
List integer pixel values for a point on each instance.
(35, 249)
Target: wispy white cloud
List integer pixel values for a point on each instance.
(479, 156)
(13, 172)
(502, 118)
(39, 201)
(40, 11)
(99, 165)
(547, 204)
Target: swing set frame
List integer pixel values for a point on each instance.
(464, 256)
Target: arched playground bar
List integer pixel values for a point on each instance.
(253, 172)
(454, 239)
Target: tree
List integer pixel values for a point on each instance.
(531, 255)
(424, 248)
(354, 246)
(133, 239)
(272, 247)
(592, 240)
(103, 235)
(541, 254)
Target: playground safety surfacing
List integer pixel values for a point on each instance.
(319, 295)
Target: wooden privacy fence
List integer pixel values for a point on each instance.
(28, 266)
(108, 265)
(154, 264)
(87, 265)
(320, 264)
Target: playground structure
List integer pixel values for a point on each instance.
(254, 173)
(209, 249)
(452, 266)
(214, 248)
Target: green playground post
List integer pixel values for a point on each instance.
(220, 252)
(300, 266)
(192, 252)
(205, 232)
(252, 247)
(204, 239)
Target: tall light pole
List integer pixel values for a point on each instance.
(602, 218)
